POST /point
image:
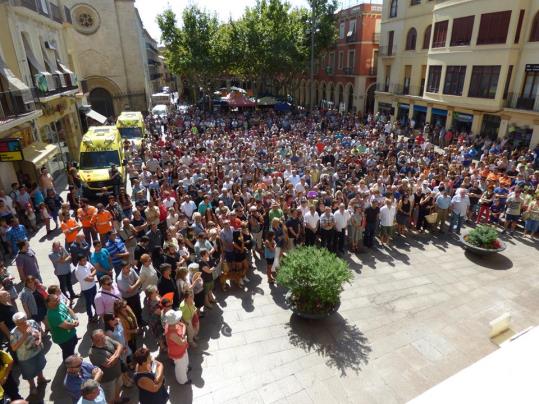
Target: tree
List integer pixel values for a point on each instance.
(192, 50)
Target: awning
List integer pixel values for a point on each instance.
(404, 106)
(441, 112)
(96, 116)
(39, 153)
(420, 108)
(15, 84)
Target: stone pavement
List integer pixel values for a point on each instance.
(412, 316)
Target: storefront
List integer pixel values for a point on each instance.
(438, 117)
(462, 122)
(402, 114)
(519, 136)
(420, 115)
(385, 108)
(490, 126)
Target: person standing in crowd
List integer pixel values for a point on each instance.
(129, 283)
(86, 275)
(86, 214)
(311, 220)
(129, 236)
(388, 212)
(26, 262)
(105, 353)
(62, 324)
(102, 221)
(460, 204)
(61, 260)
(443, 203)
(70, 228)
(101, 260)
(16, 234)
(106, 296)
(25, 341)
(327, 229)
(8, 386)
(513, 207)
(342, 219)
(77, 373)
(150, 378)
(117, 251)
(175, 333)
(53, 202)
(79, 247)
(371, 221)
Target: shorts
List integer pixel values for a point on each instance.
(532, 226)
(229, 256)
(110, 388)
(269, 261)
(386, 231)
(30, 368)
(512, 218)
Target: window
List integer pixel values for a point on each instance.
(440, 33)
(387, 78)
(454, 80)
(393, 9)
(433, 83)
(493, 28)
(44, 7)
(411, 39)
(341, 57)
(351, 59)
(407, 76)
(426, 37)
(462, 31)
(507, 82)
(352, 27)
(534, 33)
(484, 81)
(331, 62)
(415, 2)
(423, 75)
(519, 25)
(391, 36)
(341, 30)
(531, 86)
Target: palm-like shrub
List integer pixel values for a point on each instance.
(315, 278)
(483, 236)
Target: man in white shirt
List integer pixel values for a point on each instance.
(387, 218)
(460, 204)
(342, 217)
(311, 219)
(188, 206)
(86, 275)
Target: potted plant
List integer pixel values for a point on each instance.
(314, 278)
(482, 240)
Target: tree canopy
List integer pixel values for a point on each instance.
(270, 44)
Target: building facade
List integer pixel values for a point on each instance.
(345, 75)
(466, 65)
(110, 44)
(39, 92)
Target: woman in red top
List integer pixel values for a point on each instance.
(175, 334)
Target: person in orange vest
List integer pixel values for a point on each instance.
(102, 221)
(70, 227)
(86, 213)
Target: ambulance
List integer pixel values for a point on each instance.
(101, 148)
(131, 127)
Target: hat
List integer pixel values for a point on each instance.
(172, 317)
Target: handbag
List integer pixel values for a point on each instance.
(431, 218)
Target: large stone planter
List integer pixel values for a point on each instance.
(309, 316)
(481, 251)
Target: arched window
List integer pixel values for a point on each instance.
(393, 8)
(411, 39)
(426, 37)
(534, 33)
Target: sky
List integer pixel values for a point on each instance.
(149, 9)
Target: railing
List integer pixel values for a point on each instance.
(352, 37)
(400, 89)
(372, 71)
(43, 7)
(69, 86)
(517, 101)
(12, 104)
(155, 76)
(383, 87)
(348, 70)
(55, 13)
(376, 37)
(387, 51)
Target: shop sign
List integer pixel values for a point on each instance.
(459, 116)
(532, 68)
(10, 150)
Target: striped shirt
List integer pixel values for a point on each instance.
(114, 248)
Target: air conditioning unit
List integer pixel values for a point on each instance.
(51, 85)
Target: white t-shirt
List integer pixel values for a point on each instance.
(188, 208)
(341, 219)
(387, 215)
(81, 273)
(311, 219)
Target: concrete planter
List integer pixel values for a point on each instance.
(309, 316)
(481, 251)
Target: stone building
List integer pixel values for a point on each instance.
(110, 43)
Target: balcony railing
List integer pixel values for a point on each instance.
(155, 76)
(43, 7)
(352, 37)
(387, 51)
(13, 105)
(348, 70)
(383, 87)
(59, 84)
(517, 101)
(400, 89)
(376, 37)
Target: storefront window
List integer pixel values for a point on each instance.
(438, 117)
(519, 136)
(402, 114)
(462, 122)
(490, 126)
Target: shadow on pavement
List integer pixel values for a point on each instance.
(495, 261)
(342, 344)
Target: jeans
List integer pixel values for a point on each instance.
(339, 240)
(326, 238)
(180, 368)
(68, 347)
(368, 235)
(90, 235)
(65, 285)
(456, 220)
(310, 237)
(89, 297)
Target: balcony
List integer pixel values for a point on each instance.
(351, 37)
(387, 51)
(400, 89)
(383, 87)
(376, 37)
(43, 7)
(348, 70)
(16, 104)
(54, 84)
(155, 76)
(516, 101)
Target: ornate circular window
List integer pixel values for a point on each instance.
(85, 19)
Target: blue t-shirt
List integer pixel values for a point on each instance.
(101, 258)
(116, 247)
(72, 383)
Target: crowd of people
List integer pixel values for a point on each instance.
(211, 197)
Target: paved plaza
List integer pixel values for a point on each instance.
(413, 316)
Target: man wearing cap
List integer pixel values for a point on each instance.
(175, 334)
